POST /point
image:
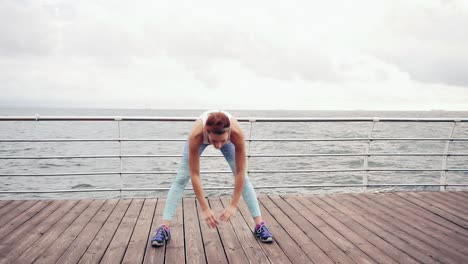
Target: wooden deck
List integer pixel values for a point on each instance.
(352, 228)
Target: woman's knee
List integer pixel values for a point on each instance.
(182, 179)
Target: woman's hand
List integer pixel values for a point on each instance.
(228, 212)
(210, 218)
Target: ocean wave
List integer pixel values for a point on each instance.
(50, 165)
(82, 185)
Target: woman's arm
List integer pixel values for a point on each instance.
(238, 139)
(195, 142)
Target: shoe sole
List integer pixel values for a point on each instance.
(268, 240)
(156, 244)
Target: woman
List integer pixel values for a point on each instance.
(222, 130)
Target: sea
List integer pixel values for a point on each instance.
(272, 183)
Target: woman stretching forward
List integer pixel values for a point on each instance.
(222, 130)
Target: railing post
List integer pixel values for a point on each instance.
(251, 121)
(120, 155)
(365, 176)
(443, 174)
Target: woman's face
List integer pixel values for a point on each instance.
(218, 141)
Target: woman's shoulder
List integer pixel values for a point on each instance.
(237, 135)
(197, 131)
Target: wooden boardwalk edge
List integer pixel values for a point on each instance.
(393, 227)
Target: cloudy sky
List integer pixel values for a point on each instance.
(318, 55)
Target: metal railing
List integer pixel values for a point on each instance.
(443, 184)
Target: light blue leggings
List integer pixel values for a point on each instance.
(183, 176)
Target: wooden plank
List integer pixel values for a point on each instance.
(273, 250)
(194, 250)
(452, 199)
(443, 198)
(375, 240)
(249, 243)
(463, 194)
(459, 195)
(100, 243)
(23, 218)
(422, 225)
(365, 246)
(15, 211)
(334, 252)
(76, 250)
(155, 255)
(300, 238)
(441, 224)
(428, 224)
(447, 200)
(214, 250)
(4, 202)
(344, 244)
(11, 211)
(461, 200)
(232, 246)
(15, 246)
(435, 210)
(419, 239)
(116, 250)
(437, 203)
(55, 250)
(408, 252)
(395, 228)
(37, 244)
(31, 223)
(283, 239)
(175, 250)
(10, 206)
(136, 247)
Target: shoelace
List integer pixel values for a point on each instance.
(264, 231)
(160, 233)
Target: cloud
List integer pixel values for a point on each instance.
(425, 39)
(373, 54)
(25, 29)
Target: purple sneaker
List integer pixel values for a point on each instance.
(261, 231)
(162, 234)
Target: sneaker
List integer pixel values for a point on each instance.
(261, 231)
(162, 234)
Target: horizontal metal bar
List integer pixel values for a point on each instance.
(99, 156)
(354, 139)
(351, 119)
(92, 140)
(241, 119)
(252, 140)
(347, 170)
(358, 155)
(95, 118)
(219, 172)
(250, 156)
(231, 187)
(102, 173)
(63, 191)
(60, 174)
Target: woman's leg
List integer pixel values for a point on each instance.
(248, 192)
(178, 186)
